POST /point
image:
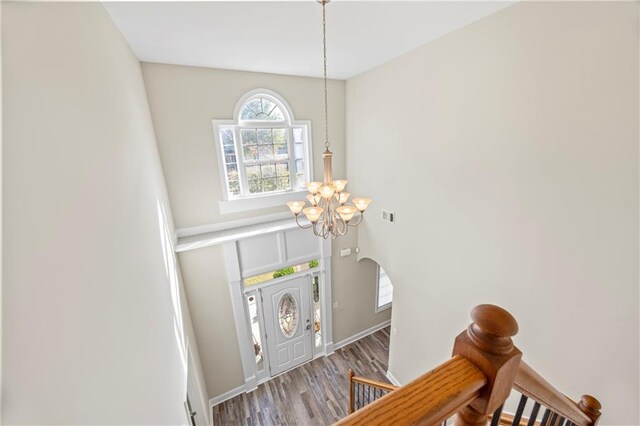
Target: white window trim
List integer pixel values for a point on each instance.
(273, 199)
(383, 307)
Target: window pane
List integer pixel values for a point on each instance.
(281, 151)
(234, 187)
(268, 170)
(298, 150)
(297, 134)
(251, 152)
(299, 166)
(248, 136)
(255, 331)
(300, 180)
(265, 136)
(226, 135)
(253, 172)
(269, 184)
(279, 136)
(255, 185)
(282, 169)
(232, 171)
(265, 152)
(231, 158)
(284, 183)
(385, 288)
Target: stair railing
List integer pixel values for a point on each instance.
(474, 384)
(363, 391)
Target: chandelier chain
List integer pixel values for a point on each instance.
(326, 91)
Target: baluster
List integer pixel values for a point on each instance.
(518, 416)
(554, 417)
(561, 421)
(495, 419)
(534, 414)
(351, 392)
(545, 417)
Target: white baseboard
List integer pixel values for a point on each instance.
(392, 379)
(360, 335)
(227, 395)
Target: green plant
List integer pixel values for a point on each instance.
(284, 271)
(313, 264)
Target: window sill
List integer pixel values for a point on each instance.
(260, 202)
(383, 307)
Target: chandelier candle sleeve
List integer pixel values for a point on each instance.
(343, 197)
(314, 187)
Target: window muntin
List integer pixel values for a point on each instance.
(264, 152)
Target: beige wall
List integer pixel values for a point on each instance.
(92, 330)
(509, 153)
(183, 102)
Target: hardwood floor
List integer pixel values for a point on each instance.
(316, 393)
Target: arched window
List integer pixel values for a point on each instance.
(263, 150)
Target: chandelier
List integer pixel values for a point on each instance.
(328, 213)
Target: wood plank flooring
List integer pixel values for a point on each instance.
(316, 393)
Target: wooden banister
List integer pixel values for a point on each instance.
(374, 383)
(429, 399)
(528, 382)
(474, 384)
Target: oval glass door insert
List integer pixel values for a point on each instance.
(288, 314)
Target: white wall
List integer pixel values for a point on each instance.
(183, 102)
(93, 327)
(509, 153)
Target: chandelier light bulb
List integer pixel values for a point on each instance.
(343, 197)
(362, 203)
(327, 191)
(340, 185)
(312, 213)
(313, 199)
(346, 212)
(314, 187)
(296, 206)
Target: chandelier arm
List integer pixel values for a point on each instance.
(302, 226)
(359, 220)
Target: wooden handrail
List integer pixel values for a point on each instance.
(529, 383)
(353, 379)
(473, 384)
(431, 398)
(374, 383)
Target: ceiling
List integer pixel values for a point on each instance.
(286, 37)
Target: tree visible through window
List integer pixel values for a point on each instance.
(264, 151)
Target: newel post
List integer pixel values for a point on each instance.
(487, 344)
(591, 407)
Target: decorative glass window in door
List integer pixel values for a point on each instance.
(317, 328)
(255, 330)
(288, 315)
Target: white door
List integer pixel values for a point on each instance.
(287, 318)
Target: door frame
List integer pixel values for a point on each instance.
(252, 378)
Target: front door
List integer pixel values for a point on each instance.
(287, 316)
